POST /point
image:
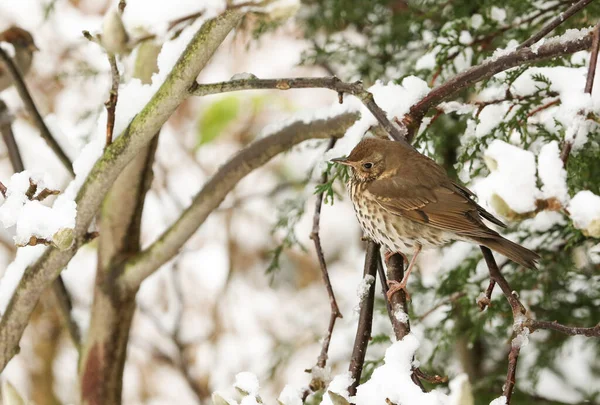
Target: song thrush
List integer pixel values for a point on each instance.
(406, 202)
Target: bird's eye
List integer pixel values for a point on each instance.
(367, 165)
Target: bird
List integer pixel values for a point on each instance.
(406, 202)
(24, 46)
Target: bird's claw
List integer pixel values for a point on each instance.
(394, 287)
(388, 255)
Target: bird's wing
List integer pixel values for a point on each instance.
(432, 200)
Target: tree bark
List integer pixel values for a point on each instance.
(105, 350)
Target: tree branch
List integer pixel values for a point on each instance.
(111, 103)
(365, 320)
(333, 83)
(335, 310)
(594, 331)
(62, 298)
(221, 183)
(589, 86)
(397, 304)
(33, 111)
(558, 20)
(140, 131)
(487, 69)
(518, 311)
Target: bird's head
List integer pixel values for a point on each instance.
(367, 160)
(19, 38)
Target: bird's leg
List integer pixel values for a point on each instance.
(388, 254)
(396, 286)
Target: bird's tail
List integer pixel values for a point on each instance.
(511, 250)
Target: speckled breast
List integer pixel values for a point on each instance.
(396, 233)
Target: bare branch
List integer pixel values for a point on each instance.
(214, 191)
(365, 319)
(558, 20)
(518, 311)
(333, 83)
(484, 302)
(111, 103)
(33, 111)
(141, 130)
(517, 308)
(594, 331)
(14, 155)
(335, 310)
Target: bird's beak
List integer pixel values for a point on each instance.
(33, 47)
(341, 160)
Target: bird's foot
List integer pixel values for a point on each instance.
(395, 286)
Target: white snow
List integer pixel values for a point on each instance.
(247, 382)
(400, 315)
(476, 21)
(522, 339)
(552, 173)
(13, 273)
(339, 385)
(465, 37)
(498, 14)
(290, 396)
(499, 401)
(512, 177)
(427, 61)
(363, 288)
(584, 209)
(32, 217)
(393, 379)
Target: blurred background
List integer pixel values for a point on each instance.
(246, 293)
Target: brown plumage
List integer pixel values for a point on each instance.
(24, 46)
(406, 202)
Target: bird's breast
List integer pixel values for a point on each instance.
(396, 233)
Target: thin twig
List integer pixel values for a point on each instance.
(558, 20)
(9, 139)
(594, 331)
(433, 379)
(589, 86)
(511, 372)
(486, 300)
(516, 305)
(365, 319)
(518, 311)
(33, 111)
(111, 103)
(335, 310)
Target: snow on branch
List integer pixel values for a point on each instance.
(94, 185)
